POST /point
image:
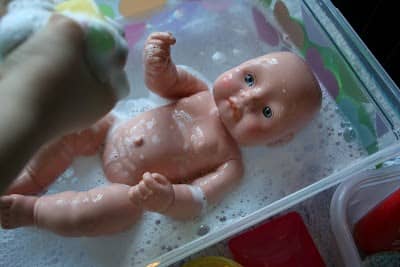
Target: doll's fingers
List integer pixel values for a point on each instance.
(153, 44)
(134, 195)
(161, 179)
(146, 174)
(156, 52)
(144, 191)
(155, 35)
(163, 36)
(156, 60)
(159, 43)
(153, 49)
(151, 183)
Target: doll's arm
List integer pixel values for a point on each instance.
(161, 75)
(217, 184)
(54, 158)
(185, 201)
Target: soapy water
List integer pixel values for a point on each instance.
(327, 144)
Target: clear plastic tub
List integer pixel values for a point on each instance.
(352, 200)
(357, 128)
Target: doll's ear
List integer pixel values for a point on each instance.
(282, 141)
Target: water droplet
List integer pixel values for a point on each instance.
(203, 230)
(344, 124)
(218, 57)
(236, 51)
(349, 134)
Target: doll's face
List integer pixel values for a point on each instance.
(266, 100)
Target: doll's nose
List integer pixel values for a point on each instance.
(251, 98)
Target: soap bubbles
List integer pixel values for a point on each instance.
(349, 134)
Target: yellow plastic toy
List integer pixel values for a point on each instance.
(87, 7)
(212, 261)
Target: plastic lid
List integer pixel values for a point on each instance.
(352, 200)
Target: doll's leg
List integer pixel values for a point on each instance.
(54, 158)
(47, 164)
(100, 211)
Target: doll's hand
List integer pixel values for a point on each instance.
(156, 54)
(48, 75)
(153, 193)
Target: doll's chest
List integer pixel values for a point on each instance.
(202, 130)
(205, 147)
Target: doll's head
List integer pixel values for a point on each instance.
(268, 99)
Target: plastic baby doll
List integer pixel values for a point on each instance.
(175, 159)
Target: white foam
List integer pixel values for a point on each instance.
(270, 174)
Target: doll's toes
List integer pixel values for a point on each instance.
(5, 211)
(16, 211)
(6, 202)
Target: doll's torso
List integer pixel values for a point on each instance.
(182, 140)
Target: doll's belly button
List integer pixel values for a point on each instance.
(139, 141)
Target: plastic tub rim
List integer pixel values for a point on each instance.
(338, 211)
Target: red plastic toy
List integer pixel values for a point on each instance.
(379, 229)
(281, 242)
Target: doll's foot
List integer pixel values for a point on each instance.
(156, 54)
(16, 211)
(153, 193)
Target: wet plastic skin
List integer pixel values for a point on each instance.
(174, 159)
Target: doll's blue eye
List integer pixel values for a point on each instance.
(267, 111)
(249, 80)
